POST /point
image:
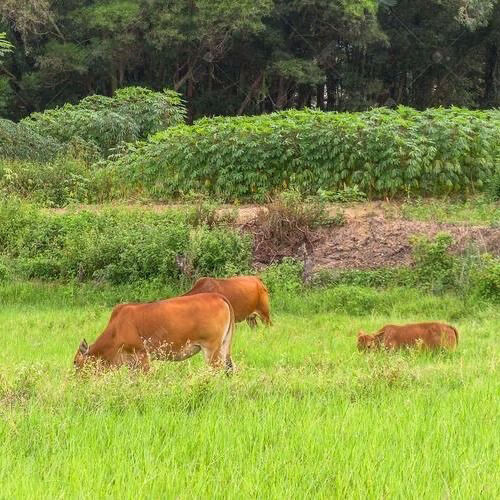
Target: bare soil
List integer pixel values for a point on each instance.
(370, 240)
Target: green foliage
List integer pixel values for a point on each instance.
(4, 270)
(377, 278)
(346, 195)
(434, 264)
(17, 141)
(5, 46)
(486, 279)
(115, 246)
(474, 210)
(220, 252)
(284, 277)
(382, 152)
(207, 212)
(55, 184)
(493, 185)
(102, 123)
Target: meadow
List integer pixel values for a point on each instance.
(82, 228)
(305, 414)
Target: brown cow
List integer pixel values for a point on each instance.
(431, 335)
(247, 294)
(173, 329)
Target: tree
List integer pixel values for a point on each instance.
(5, 46)
(253, 56)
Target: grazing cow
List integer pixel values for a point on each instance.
(431, 335)
(173, 329)
(247, 294)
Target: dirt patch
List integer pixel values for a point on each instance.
(374, 241)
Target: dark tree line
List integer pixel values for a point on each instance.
(253, 56)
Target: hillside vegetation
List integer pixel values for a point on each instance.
(383, 152)
(135, 146)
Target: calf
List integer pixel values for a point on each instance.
(431, 335)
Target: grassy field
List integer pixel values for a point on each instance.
(477, 210)
(306, 415)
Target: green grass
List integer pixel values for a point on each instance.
(472, 211)
(306, 415)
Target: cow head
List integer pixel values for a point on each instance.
(366, 341)
(81, 355)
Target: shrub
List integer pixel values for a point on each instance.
(434, 265)
(4, 270)
(383, 152)
(116, 246)
(378, 278)
(487, 279)
(98, 124)
(220, 252)
(287, 222)
(346, 195)
(206, 212)
(493, 185)
(285, 276)
(17, 141)
(55, 184)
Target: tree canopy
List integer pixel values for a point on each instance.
(252, 56)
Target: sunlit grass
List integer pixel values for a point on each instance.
(305, 414)
(473, 211)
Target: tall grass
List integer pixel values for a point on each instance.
(305, 415)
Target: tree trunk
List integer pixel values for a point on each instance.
(189, 95)
(491, 97)
(331, 91)
(253, 90)
(112, 82)
(282, 88)
(320, 96)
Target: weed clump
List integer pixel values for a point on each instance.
(286, 223)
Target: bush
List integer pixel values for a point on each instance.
(345, 195)
(378, 278)
(487, 279)
(383, 152)
(434, 265)
(116, 246)
(55, 184)
(17, 141)
(287, 222)
(220, 252)
(493, 185)
(285, 276)
(4, 270)
(98, 124)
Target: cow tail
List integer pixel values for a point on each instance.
(456, 333)
(228, 334)
(262, 284)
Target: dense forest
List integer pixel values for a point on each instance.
(234, 57)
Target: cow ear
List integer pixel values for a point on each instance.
(84, 347)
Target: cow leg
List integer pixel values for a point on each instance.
(217, 358)
(142, 361)
(252, 321)
(136, 359)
